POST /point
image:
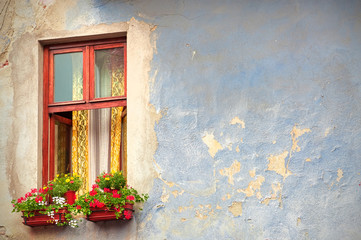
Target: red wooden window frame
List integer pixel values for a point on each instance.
(88, 102)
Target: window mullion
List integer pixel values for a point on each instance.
(86, 73)
(91, 73)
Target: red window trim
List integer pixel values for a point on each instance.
(88, 102)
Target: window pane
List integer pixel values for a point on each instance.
(68, 77)
(109, 72)
(62, 148)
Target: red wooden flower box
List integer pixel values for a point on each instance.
(40, 219)
(104, 214)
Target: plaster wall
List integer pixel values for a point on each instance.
(244, 116)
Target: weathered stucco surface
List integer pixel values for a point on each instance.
(244, 116)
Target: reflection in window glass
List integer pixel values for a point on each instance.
(68, 77)
(109, 72)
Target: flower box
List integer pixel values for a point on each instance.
(104, 214)
(40, 219)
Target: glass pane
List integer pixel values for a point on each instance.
(62, 148)
(68, 77)
(109, 72)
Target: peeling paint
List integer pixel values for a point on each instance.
(252, 173)
(204, 212)
(236, 209)
(227, 196)
(237, 149)
(253, 186)
(213, 145)
(277, 164)
(327, 131)
(339, 174)
(176, 193)
(275, 195)
(229, 172)
(308, 160)
(236, 120)
(184, 208)
(165, 196)
(296, 133)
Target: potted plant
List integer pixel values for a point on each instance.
(109, 199)
(65, 185)
(37, 212)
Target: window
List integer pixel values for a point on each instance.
(84, 112)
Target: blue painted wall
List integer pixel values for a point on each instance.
(290, 72)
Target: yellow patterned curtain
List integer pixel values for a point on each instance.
(116, 122)
(124, 137)
(116, 136)
(80, 151)
(80, 158)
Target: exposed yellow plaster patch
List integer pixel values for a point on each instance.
(327, 131)
(296, 133)
(229, 172)
(253, 186)
(221, 134)
(237, 149)
(275, 195)
(308, 160)
(298, 221)
(277, 164)
(176, 193)
(252, 173)
(183, 219)
(164, 198)
(204, 213)
(218, 207)
(339, 174)
(212, 144)
(241, 140)
(236, 120)
(154, 28)
(236, 209)
(149, 217)
(229, 146)
(169, 184)
(208, 206)
(258, 195)
(274, 142)
(184, 208)
(227, 196)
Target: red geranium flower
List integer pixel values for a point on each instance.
(116, 195)
(38, 199)
(130, 197)
(127, 215)
(93, 193)
(106, 190)
(78, 207)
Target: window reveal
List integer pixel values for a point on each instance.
(84, 109)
